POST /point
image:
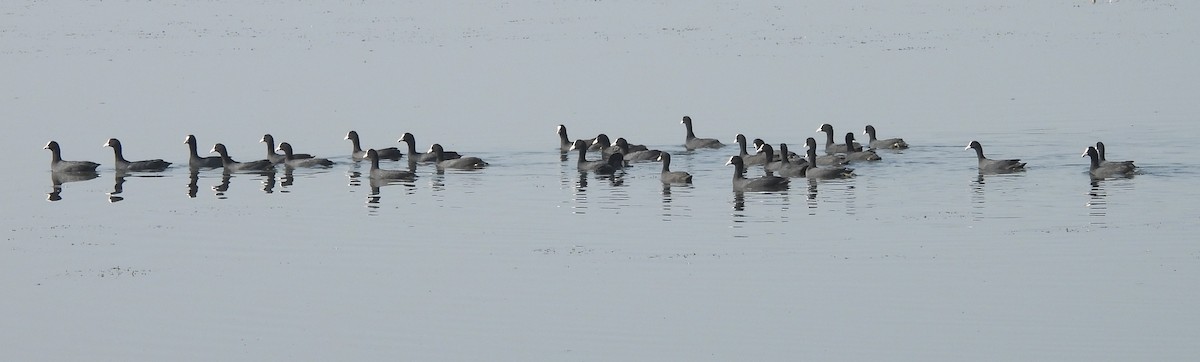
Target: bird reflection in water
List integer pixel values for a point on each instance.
(666, 202)
(672, 194)
(617, 179)
(57, 179)
(268, 182)
(223, 186)
(583, 182)
(1097, 202)
(375, 197)
(977, 197)
(119, 183)
(739, 216)
(851, 208)
(193, 182)
(118, 187)
(810, 197)
(438, 182)
(287, 179)
(579, 190)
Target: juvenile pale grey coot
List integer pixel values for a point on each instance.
(381, 174)
(987, 165)
(232, 166)
(832, 148)
(821, 173)
(414, 156)
(57, 164)
(357, 153)
(275, 157)
(290, 160)
(465, 163)
(691, 142)
(599, 166)
(892, 143)
(1106, 170)
(762, 183)
(121, 164)
(194, 159)
(861, 154)
(672, 177)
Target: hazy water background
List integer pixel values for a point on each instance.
(916, 258)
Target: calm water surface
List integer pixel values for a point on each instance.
(918, 257)
(531, 252)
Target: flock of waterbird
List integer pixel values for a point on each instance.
(778, 168)
(437, 155)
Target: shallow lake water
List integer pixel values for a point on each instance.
(917, 257)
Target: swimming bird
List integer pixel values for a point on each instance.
(357, 153)
(768, 153)
(121, 164)
(599, 167)
(827, 172)
(995, 166)
(892, 143)
(860, 155)
(275, 157)
(58, 165)
(617, 161)
(608, 148)
(762, 183)
(439, 157)
(414, 156)
(605, 146)
(1103, 161)
(1106, 170)
(290, 160)
(631, 155)
(691, 142)
(381, 174)
(747, 158)
(672, 177)
(837, 159)
(231, 166)
(785, 167)
(564, 143)
(792, 156)
(194, 159)
(830, 147)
